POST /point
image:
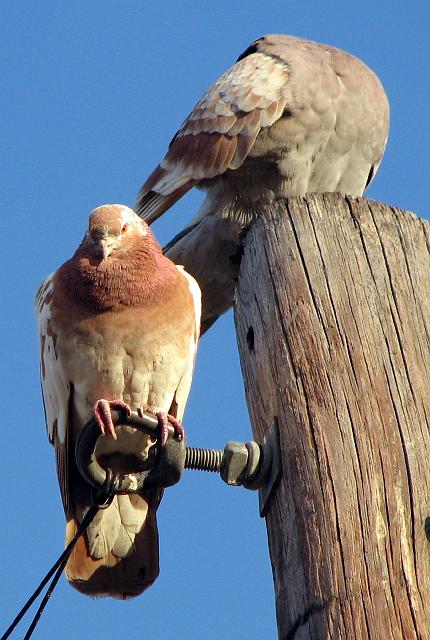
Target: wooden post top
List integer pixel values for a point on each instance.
(333, 324)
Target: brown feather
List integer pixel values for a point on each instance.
(152, 179)
(234, 103)
(151, 205)
(100, 286)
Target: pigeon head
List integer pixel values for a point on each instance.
(112, 227)
(118, 263)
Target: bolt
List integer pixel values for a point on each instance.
(203, 459)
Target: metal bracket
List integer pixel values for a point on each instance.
(162, 469)
(252, 465)
(272, 441)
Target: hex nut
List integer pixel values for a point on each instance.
(234, 463)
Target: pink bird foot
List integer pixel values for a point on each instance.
(164, 420)
(103, 416)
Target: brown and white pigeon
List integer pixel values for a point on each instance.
(118, 325)
(290, 117)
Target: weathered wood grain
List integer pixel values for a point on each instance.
(333, 325)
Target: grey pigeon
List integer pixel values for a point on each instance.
(291, 117)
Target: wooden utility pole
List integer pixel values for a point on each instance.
(333, 324)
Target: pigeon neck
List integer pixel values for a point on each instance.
(130, 280)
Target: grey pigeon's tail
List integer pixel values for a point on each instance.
(157, 195)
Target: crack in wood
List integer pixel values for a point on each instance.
(304, 618)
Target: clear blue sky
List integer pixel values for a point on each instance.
(92, 92)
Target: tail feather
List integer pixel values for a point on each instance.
(131, 565)
(151, 205)
(160, 192)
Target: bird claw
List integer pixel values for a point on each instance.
(102, 414)
(164, 420)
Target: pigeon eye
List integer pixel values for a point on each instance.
(124, 228)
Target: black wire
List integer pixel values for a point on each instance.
(101, 499)
(55, 571)
(45, 599)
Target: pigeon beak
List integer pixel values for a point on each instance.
(106, 245)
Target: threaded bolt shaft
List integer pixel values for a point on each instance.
(203, 459)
